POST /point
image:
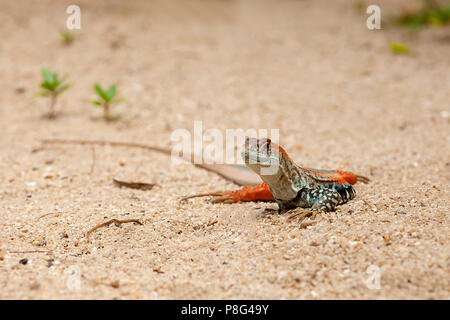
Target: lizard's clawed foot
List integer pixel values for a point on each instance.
(301, 214)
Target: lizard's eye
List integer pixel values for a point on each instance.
(265, 146)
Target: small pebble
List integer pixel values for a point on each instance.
(20, 90)
(35, 286)
(50, 262)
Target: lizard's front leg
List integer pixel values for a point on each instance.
(313, 201)
(324, 199)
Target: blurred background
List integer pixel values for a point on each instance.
(310, 68)
(375, 102)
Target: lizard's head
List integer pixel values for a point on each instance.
(262, 153)
(273, 165)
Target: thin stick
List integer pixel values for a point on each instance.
(202, 195)
(106, 111)
(30, 251)
(134, 185)
(47, 214)
(103, 143)
(52, 112)
(107, 223)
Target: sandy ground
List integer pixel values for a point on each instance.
(339, 96)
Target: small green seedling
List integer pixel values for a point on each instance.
(52, 87)
(431, 13)
(399, 48)
(106, 99)
(66, 37)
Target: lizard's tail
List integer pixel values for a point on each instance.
(362, 179)
(352, 178)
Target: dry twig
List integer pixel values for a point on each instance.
(134, 185)
(115, 221)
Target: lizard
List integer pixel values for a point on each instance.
(290, 185)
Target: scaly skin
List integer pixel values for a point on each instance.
(289, 184)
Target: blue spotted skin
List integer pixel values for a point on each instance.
(321, 197)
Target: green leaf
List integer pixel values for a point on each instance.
(46, 85)
(100, 92)
(111, 92)
(60, 81)
(399, 48)
(96, 103)
(63, 88)
(49, 76)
